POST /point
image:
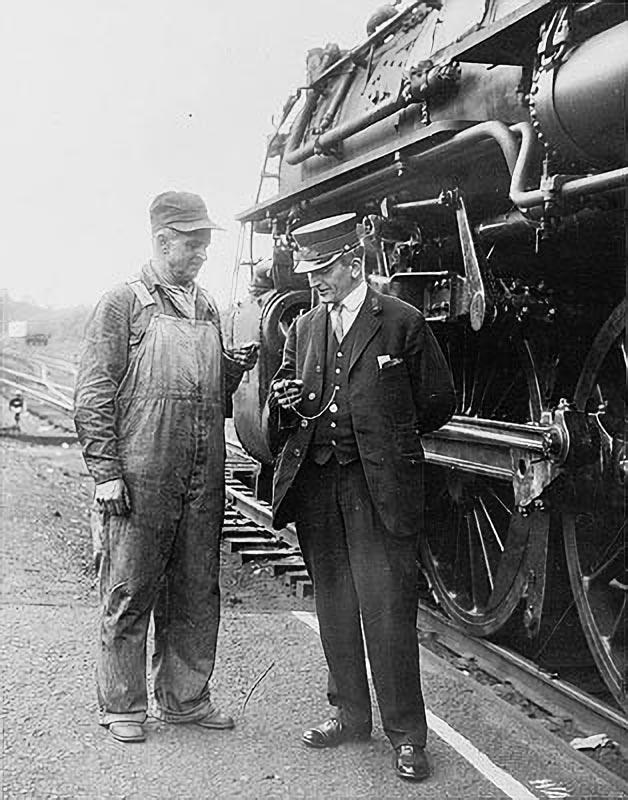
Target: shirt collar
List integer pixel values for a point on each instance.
(355, 298)
(155, 279)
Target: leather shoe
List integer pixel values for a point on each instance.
(411, 763)
(127, 731)
(216, 720)
(333, 732)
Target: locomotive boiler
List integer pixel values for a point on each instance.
(483, 145)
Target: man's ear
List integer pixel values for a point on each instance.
(356, 267)
(164, 244)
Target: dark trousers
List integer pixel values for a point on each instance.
(362, 573)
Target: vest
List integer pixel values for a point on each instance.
(333, 431)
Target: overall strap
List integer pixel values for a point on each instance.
(209, 300)
(140, 290)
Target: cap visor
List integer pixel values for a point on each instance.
(195, 225)
(312, 266)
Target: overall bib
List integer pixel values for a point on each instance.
(164, 556)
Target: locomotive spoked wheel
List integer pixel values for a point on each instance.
(595, 540)
(474, 541)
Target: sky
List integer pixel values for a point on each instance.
(107, 104)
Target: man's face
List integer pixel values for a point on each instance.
(335, 282)
(185, 255)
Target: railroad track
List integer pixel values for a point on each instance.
(45, 382)
(249, 533)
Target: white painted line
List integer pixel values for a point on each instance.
(478, 760)
(482, 763)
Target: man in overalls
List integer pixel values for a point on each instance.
(149, 410)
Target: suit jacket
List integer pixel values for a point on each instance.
(393, 400)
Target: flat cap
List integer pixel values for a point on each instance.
(322, 242)
(182, 211)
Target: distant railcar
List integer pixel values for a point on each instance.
(32, 333)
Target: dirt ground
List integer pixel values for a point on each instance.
(48, 611)
(48, 604)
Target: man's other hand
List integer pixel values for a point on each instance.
(112, 497)
(245, 355)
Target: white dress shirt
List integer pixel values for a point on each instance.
(348, 309)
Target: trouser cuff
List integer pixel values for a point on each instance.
(397, 739)
(199, 711)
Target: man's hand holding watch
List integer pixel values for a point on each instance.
(288, 393)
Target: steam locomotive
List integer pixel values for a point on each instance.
(483, 145)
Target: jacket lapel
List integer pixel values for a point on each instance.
(367, 323)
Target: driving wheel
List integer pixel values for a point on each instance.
(474, 545)
(595, 539)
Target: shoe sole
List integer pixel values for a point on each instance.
(413, 778)
(130, 740)
(326, 746)
(215, 727)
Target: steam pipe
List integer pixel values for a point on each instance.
(604, 182)
(415, 205)
(338, 98)
(375, 38)
(294, 155)
(338, 134)
(296, 135)
(492, 129)
(518, 189)
(590, 184)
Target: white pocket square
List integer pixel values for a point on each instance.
(383, 362)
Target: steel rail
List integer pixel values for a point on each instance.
(66, 406)
(242, 499)
(60, 364)
(58, 388)
(543, 688)
(546, 690)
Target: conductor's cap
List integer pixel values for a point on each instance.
(323, 242)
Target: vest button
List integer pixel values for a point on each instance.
(311, 396)
(333, 408)
(338, 355)
(304, 423)
(333, 442)
(318, 368)
(338, 370)
(333, 424)
(297, 451)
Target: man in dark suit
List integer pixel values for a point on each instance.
(362, 378)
